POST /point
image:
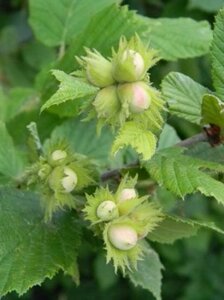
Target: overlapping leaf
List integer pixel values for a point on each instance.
(167, 36)
(70, 88)
(31, 250)
(182, 174)
(184, 96)
(173, 228)
(217, 54)
(148, 274)
(57, 22)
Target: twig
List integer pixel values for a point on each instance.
(201, 137)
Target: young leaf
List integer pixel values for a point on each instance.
(217, 54)
(182, 174)
(212, 111)
(31, 250)
(65, 19)
(11, 163)
(148, 274)
(184, 96)
(173, 228)
(70, 88)
(142, 140)
(167, 36)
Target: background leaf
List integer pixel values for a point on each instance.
(182, 174)
(173, 228)
(31, 250)
(65, 19)
(168, 137)
(11, 163)
(167, 36)
(148, 274)
(184, 96)
(217, 55)
(83, 139)
(206, 5)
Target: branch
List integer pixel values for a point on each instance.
(200, 137)
(116, 173)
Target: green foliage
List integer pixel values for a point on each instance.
(99, 53)
(167, 36)
(64, 20)
(182, 174)
(30, 249)
(148, 274)
(217, 55)
(11, 162)
(184, 96)
(173, 228)
(212, 111)
(206, 5)
(142, 140)
(70, 89)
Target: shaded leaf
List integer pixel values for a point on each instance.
(148, 274)
(11, 163)
(173, 228)
(31, 250)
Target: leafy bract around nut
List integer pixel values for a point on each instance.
(122, 219)
(119, 92)
(60, 174)
(132, 60)
(97, 68)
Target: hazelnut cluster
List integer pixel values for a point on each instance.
(122, 219)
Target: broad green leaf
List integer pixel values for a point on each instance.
(125, 22)
(178, 38)
(184, 96)
(217, 55)
(142, 140)
(168, 137)
(70, 88)
(212, 111)
(148, 274)
(173, 228)
(31, 250)
(182, 174)
(206, 5)
(57, 22)
(11, 163)
(17, 100)
(83, 139)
